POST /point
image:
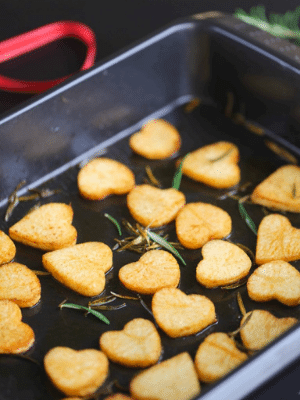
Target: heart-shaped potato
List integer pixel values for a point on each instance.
(154, 207)
(157, 140)
(15, 336)
(137, 345)
(47, 228)
(72, 398)
(154, 270)
(81, 267)
(76, 372)
(178, 314)
(277, 239)
(197, 223)
(262, 328)
(102, 177)
(214, 164)
(7, 248)
(172, 379)
(276, 280)
(216, 356)
(279, 190)
(223, 263)
(19, 284)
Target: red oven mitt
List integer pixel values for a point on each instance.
(26, 42)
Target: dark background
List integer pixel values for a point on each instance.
(117, 24)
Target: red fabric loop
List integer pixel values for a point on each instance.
(26, 42)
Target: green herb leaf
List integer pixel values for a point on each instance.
(178, 175)
(247, 218)
(114, 221)
(89, 310)
(164, 243)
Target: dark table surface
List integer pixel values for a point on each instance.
(116, 25)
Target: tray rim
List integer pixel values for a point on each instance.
(268, 362)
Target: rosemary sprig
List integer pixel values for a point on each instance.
(14, 199)
(178, 175)
(140, 241)
(115, 222)
(164, 243)
(246, 217)
(97, 314)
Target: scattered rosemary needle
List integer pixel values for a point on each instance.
(144, 305)
(235, 285)
(97, 314)
(247, 319)
(178, 175)
(23, 357)
(115, 222)
(294, 190)
(39, 193)
(231, 194)
(164, 243)
(241, 303)
(194, 103)
(41, 273)
(124, 297)
(281, 152)
(247, 251)
(153, 180)
(246, 217)
(102, 300)
(13, 200)
(107, 308)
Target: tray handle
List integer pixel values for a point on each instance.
(26, 42)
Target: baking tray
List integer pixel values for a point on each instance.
(247, 83)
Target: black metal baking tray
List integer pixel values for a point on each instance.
(248, 86)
